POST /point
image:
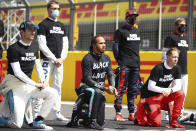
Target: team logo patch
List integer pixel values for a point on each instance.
(56, 30)
(133, 37)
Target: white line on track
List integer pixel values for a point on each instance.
(109, 105)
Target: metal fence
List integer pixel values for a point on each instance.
(149, 25)
(110, 15)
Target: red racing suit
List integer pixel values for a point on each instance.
(152, 100)
(149, 109)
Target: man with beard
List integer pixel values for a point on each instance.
(95, 67)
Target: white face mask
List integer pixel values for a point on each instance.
(55, 13)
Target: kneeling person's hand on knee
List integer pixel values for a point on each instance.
(167, 92)
(111, 90)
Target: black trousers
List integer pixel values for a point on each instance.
(98, 110)
(95, 99)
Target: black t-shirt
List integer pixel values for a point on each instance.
(129, 43)
(54, 32)
(181, 43)
(25, 55)
(96, 67)
(162, 76)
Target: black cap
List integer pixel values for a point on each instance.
(28, 25)
(131, 12)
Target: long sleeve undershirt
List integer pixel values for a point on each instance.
(46, 51)
(22, 76)
(44, 48)
(65, 48)
(175, 85)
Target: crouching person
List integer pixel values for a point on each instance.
(22, 56)
(95, 67)
(161, 88)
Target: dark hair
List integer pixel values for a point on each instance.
(169, 52)
(52, 2)
(93, 41)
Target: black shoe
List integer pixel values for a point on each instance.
(72, 124)
(184, 118)
(95, 126)
(84, 123)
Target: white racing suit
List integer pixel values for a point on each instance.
(22, 92)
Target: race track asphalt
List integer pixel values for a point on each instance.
(110, 124)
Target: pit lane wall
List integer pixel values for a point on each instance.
(73, 73)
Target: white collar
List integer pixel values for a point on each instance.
(24, 43)
(166, 65)
(52, 19)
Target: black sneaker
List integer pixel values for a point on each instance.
(84, 123)
(184, 118)
(72, 124)
(95, 126)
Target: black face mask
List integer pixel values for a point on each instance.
(131, 21)
(182, 28)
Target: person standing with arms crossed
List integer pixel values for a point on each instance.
(126, 52)
(53, 44)
(179, 40)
